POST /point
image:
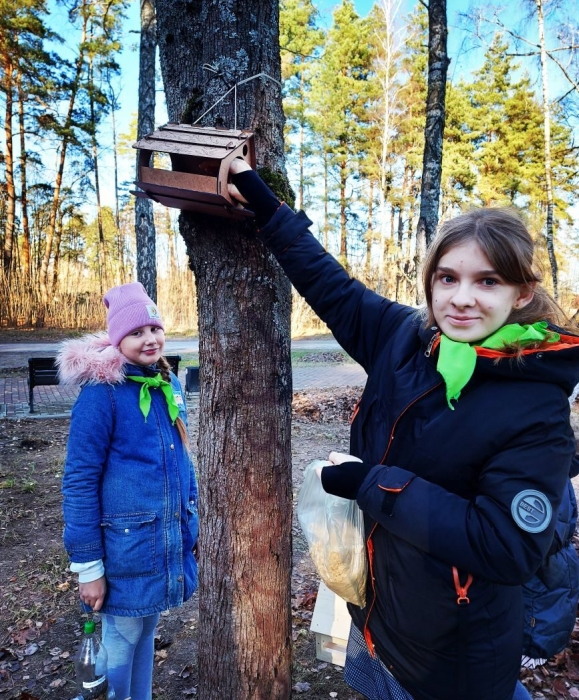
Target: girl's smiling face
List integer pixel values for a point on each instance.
(143, 346)
(470, 300)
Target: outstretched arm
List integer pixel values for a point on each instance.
(361, 320)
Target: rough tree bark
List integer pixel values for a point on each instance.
(144, 221)
(25, 255)
(434, 129)
(102, 258)
(244, 352)
(10, 217)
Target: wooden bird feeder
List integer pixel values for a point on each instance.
(200, 158)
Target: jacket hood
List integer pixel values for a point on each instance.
(91, 359)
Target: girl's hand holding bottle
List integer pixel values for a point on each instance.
(93, 593)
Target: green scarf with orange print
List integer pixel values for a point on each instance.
(456, 361)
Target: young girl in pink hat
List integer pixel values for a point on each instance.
(130, 492)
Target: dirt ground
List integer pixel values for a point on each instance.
(40, 619)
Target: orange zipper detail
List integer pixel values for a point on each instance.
(355, 411)
(369, 543)
(383, 460)
(367, 634)
(399, 490)
(461, 591)
(499, 354)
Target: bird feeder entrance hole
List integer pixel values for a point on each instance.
(200, 158)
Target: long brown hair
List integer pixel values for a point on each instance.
(165, 369)
(508, 245)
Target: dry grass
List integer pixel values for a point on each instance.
(76, 304)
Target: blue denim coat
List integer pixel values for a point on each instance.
(130, 497)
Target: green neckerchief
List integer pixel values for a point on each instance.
(145, 396)
(456, 361)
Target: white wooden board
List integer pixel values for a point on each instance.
(331, 625)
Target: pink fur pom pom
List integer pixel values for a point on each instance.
(90, 360)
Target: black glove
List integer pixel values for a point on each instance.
(260, 198)
(345, 479)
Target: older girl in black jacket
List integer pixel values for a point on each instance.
(466, 447)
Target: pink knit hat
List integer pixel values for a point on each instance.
(129, 307)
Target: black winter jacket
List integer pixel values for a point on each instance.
(459, 505)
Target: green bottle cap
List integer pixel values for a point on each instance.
(89, 627)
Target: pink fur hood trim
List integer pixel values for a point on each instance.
(90, 360)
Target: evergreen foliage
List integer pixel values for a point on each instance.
(354, 100)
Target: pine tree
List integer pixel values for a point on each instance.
(341, 90)
(300, 41)
(25, 69)
(505, 126)
(98, 25)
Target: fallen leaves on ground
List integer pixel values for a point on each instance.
(326, 405)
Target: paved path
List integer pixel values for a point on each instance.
(16, 354)
(56, 401)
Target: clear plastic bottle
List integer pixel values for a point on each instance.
(90, 665)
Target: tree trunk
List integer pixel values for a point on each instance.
(244, 354)
(549, 233)
(343, 221)
(56, 248)
(9, 173)
(66, 133)
(25, 257)
(326, 197)
(102, 257)
(388, 11)
(302, 146)
(434, 128)
(144, 220)
(114, 102)
(370, 228)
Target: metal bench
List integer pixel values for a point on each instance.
(173, 361)
(42, 371)
(191, 380)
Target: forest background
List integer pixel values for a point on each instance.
(355, 82)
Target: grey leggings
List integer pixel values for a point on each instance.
(130, 644)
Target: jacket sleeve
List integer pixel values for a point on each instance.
(491, 535)
(356, 316)
(91, 429)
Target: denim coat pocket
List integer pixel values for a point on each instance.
(129, 543)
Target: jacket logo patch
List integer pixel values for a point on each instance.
(531, 510)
